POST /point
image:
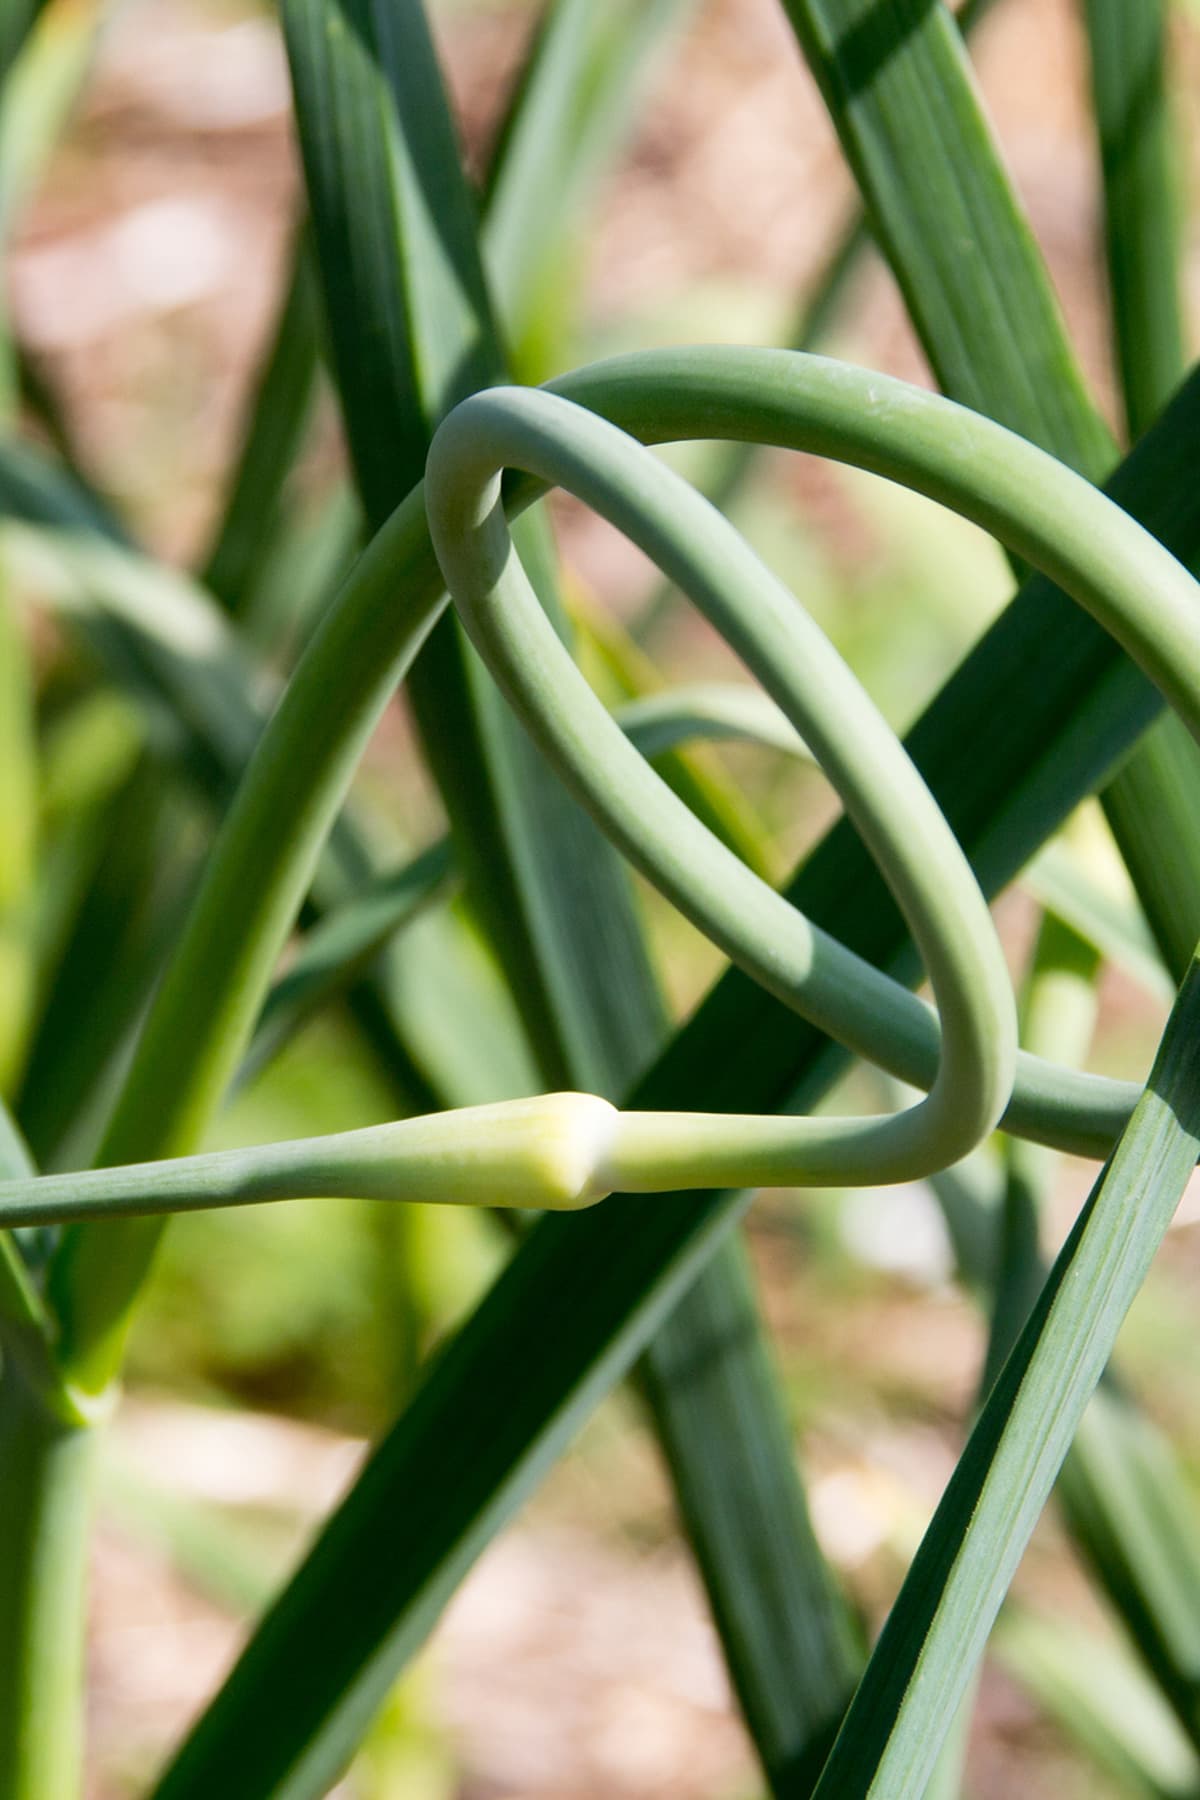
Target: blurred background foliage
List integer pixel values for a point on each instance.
(149, 250)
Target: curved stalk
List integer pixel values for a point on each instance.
(565, 446)
(263, 861)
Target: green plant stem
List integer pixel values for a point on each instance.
(567, 446)
(45, 1457)
(44, 1520)
(1058, 702)
(264, 860)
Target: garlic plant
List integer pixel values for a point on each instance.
(681, 1124)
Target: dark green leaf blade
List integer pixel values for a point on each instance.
(398, 250)
(1153, 807)
(1127, 41)
(936, 1631)
(696, 1375)
(277, 417)
(897, 84)
(899, 92)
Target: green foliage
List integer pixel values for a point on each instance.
(196, 881)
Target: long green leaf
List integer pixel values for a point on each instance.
(277, 417)
(1128, 1503)
(1060, 703)
(343, 946)
(1127, 40)
(1100, 1697)
(1112, 925)
(569, 114)
(697, 1391)
(411, 331)
(896, 81)
(936, 1631)
(1154, 809)
(40, 93)
(1058, 1017)
(379, 151)
(129, 913)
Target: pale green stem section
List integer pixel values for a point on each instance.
(566, 446)
(546, 1152)
(44, 1517)
(554, 1152)
(263, 860)
(44, 1462)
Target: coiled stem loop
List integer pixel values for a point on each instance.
(563, 445)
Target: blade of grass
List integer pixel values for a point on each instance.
(378, 146)
(300, 572)
(1126, 1499)
(1128, 49)
(895, 79)
(411, 331)
(86, 756)
(342, 947)
(124, 927)
(696, 1389)
(1133, 1520)
(897, 85)
(277, 415)
(1115, 929)
(1058, 1016)
(569, 114)
(816, 317)
(45, 53)
(1060, 703)
(1127, 1502)
(629, 673)
(1153, 808)
(937, 1629)
(1101, 1699)
(40, 91)
(15, 23)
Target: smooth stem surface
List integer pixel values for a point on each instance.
(566, 446)
(262, 862)
(44, 1519)
(546, 1153)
